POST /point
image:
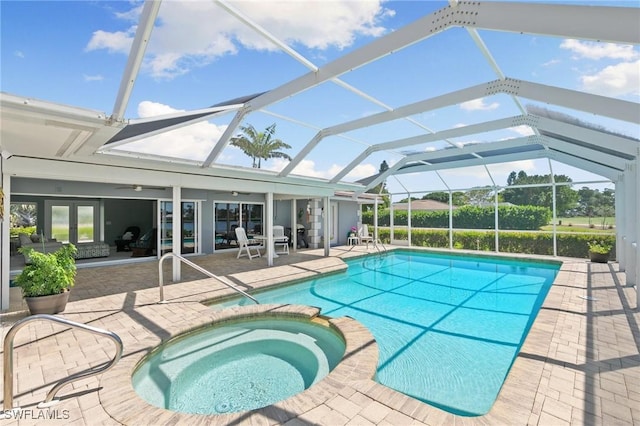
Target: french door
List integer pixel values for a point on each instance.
(72, 221)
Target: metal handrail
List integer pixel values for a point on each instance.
(378, 241)
(8, 357)
(200, 269)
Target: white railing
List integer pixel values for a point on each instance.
(200, 269)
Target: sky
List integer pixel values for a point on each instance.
(199, 54)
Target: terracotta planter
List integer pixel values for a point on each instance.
(598, 257)
(52, 304)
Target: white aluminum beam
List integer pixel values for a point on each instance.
(585, 153)
(602, 23)
(571, 160)
(596, 104)
(610, 24)
(469, 149)
(224, 139)
(139, 46)
(593, 137)
(501, 123)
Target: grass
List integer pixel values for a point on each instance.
(580, 229)
(581, 224)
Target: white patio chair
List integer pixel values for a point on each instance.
(243, 244)
(363, 234)
(280, 240)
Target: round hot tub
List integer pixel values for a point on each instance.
(238, 366)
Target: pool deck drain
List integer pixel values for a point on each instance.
(580, 363)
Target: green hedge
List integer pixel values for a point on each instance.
(569, 245)
(468, 217)
(14, 232)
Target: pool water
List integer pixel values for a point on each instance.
(448, 327)
(238, 367)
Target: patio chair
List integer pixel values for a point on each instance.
(129, 236)
(145, 245)
(363, 234)
(280, 240)
(243, 243)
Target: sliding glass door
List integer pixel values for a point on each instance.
(230, 215)
(189, 235)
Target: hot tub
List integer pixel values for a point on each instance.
(238, 366)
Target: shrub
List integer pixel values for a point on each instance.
(468, 217)
(48, 273)
(568, 245)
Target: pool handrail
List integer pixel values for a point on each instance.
(8, 357)
(199, 269)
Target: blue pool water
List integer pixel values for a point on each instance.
(239, 366)
(448, 327)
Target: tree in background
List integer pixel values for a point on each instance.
(566, 198)
(480, 196)
(458, 198)
(260, 145)
(592, 202)
(23, 214)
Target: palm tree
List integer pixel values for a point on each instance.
(260, 145)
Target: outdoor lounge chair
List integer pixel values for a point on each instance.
(280, 240)
(243, 243)
(129, 236)
(145, 245)
(363, 234)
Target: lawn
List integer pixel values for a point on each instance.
(581, 224)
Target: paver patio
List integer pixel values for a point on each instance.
(580, 363)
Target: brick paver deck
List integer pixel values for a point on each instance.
(580, 363)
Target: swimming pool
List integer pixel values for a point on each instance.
(448, 327)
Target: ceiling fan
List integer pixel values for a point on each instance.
(139, 188)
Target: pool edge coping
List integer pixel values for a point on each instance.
(359, 363)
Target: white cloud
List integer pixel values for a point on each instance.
(523, 130)
(596, 50)
(193, 142)
(614, 80)
(195, 33)
(96, 77)
(19, 54)
(478, 105)
(309, 168)
(116, 42)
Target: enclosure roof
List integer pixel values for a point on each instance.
(447, 88)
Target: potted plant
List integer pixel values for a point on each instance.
(46, 281)
(599, 251)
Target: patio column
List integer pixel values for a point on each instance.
(631, 227)
(621, 233)
(314, 213)
(450, 220)
(293, 224)
(635, 249)
(409, 219)
(326, 218)
(496, 220)
(176, 232)
(5, 202)
(268, 216)
(375, 219)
